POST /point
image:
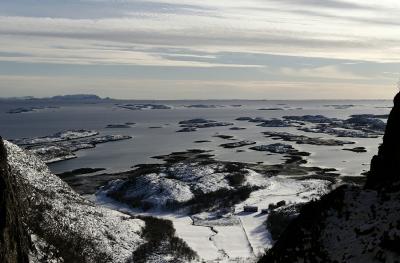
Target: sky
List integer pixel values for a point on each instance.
(200, 49)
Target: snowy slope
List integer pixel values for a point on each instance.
(75, 227)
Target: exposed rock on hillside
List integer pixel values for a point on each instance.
(14, 246)
(63, 226)
(351, 224)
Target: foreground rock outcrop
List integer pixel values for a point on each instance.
(351, 224)
(61, 225)
(14, 246)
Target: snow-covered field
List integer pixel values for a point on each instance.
(237, 236)
(245, 237)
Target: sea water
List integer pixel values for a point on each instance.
(155, 130)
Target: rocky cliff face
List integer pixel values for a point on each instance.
(14, 246)
(61, 225)
(385, 167)
(352, 224)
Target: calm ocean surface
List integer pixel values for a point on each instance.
(149, 141)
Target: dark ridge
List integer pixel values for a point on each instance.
(385, 166)
(14, 241)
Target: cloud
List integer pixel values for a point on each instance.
(326, 72)
(241, 40)
(326, 4)
(207, 34)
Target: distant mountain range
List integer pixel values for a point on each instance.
(71, 97)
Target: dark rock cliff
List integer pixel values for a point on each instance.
(385, 167)
(351, 224)
(14, 245)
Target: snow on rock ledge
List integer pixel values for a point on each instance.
(76, 228)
